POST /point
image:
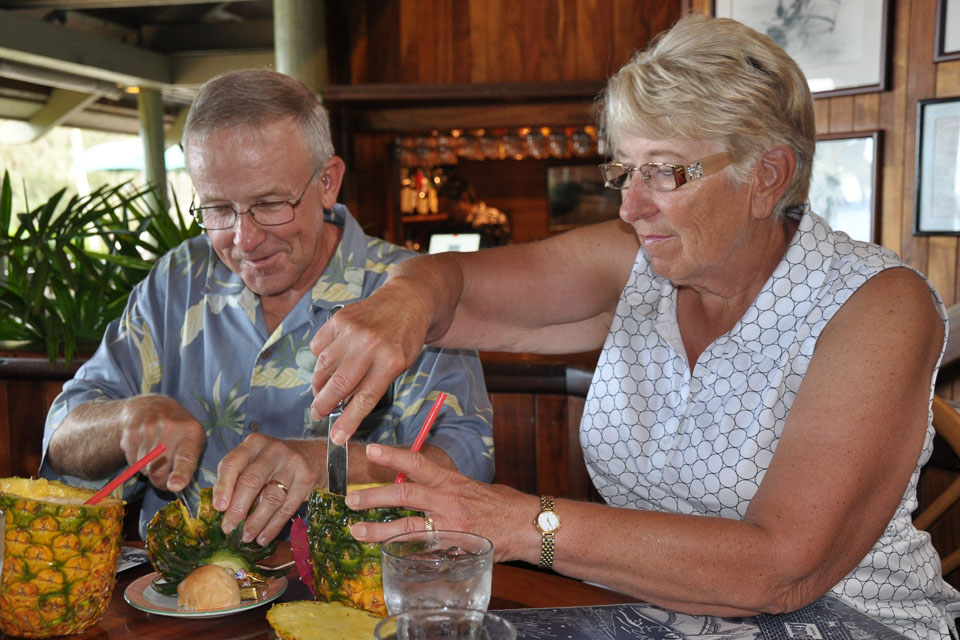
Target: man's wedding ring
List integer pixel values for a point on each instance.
(282, 486)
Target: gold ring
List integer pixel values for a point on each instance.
(279, 484)
(428, 523)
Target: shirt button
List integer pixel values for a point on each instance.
(254, 426)
(265, 354)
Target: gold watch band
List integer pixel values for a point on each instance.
(547, 538)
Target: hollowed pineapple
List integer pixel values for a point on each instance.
(345, 570)
(59, 557)
(177, 543)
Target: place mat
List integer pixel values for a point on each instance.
(824, 619)
(131, 557)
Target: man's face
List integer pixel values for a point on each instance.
(245, 166)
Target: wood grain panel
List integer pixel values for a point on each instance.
(27, 413)
(514, 428)
(948, 79)
(6, 436)
(942, 267)
(841, 114)
(866, 112)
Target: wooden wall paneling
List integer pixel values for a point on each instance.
(540, 43)
(510, 44)
(567, 40)
(461, 57)
(589, 37)
(560, 467)
(27, 414)
(414, 39)
(942, 265)
(920, 84)
(480, 34)
(948, 79)
(866, 111)
(6, 435)
(821, 114)
(841, 115)
(514, 428)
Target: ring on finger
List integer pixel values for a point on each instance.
(279, 484)
(428, 523)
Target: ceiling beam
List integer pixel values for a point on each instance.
(62, 104)
(194, 70)
(51, 46)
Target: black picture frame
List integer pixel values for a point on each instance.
(849, 55)
(937, 200)
(845, 185)
(948, 31)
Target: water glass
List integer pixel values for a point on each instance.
(445, 624)
(436, 569)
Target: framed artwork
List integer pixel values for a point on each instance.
(841, 45)
(845, 183)
(948, 30)
(576, 196)
(938, 167)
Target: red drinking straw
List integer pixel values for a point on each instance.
(123, 477)
(425, 429)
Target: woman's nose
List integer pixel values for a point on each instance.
(636, 201)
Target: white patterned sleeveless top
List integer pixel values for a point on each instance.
(656, 436)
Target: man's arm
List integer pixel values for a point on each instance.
(100, 436)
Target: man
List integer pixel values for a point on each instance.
(211, 356)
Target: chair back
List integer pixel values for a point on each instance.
(946, 421)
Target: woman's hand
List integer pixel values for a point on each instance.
(454, 501)
(361, 350)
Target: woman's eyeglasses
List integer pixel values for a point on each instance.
(662, 176)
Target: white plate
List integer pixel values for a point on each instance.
(141, 595)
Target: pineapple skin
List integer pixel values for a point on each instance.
(60, 557)
(345, 570)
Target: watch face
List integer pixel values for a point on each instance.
(548, 521)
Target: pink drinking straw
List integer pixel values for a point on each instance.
(123, 477)
(425, 429)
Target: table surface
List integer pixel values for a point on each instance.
(513, 587)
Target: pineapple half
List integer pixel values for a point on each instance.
(345, 570)
(309, 620)
(177, 544)
(59, 557)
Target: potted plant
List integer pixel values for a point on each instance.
(69, 264)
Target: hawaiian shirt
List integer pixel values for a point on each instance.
(193, 331)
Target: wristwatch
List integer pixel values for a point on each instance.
(547, 523)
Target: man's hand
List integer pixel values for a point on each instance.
(360, 352)
(272, 475)
(98, 437)
(150, 420)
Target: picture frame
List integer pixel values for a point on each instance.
(937, 203)
(845, 185)
(948, 31)
(576, 196)
(841, 47)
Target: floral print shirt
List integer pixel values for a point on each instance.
(193, 331)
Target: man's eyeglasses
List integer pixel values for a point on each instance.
(662, 176)
(267, 214)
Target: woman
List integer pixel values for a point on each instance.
(760, 411)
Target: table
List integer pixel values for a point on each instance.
(513, 587)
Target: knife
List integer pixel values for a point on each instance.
(336, 453)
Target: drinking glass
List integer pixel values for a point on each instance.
(435, 569)
(445, 624)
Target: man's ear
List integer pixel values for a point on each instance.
(772, 173)
(330, 180)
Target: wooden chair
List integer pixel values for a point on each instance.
(946, 420)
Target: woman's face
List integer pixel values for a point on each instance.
(694, 233)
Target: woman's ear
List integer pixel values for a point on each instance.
(772, 174)
(330, 180)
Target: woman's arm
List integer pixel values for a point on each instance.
(552, 296)
(849, 447)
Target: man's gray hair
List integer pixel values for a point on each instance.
(256, 97)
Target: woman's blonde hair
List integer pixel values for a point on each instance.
(716, 79)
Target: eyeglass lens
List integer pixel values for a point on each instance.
(659, 177)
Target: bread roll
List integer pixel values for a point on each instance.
(208, 587)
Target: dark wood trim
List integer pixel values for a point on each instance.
(368, 94)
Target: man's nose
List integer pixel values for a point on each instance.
(247, 234)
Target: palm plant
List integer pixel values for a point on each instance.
(68, 265)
